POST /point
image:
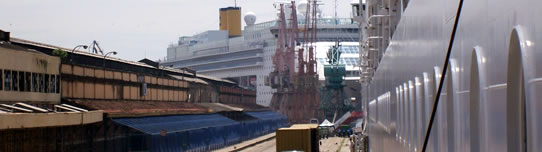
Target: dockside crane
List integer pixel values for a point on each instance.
(333, 101)
(296, 94)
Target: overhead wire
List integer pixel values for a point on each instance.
(444, 69)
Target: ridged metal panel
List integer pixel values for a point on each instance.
(266, 115)
(485, 29)
(177, 123)
(201, 132)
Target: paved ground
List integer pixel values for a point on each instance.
(335, 144)
(267, 144)
(260, 141)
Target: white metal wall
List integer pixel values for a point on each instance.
(411, 66)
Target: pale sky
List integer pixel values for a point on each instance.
(134, 28)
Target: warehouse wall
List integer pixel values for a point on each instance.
(80, 82)
(28, 76)
(236, 95)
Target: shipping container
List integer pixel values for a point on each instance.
(299, 137)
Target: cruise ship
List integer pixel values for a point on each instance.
(245, 56)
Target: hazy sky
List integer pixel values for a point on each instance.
(134, 28)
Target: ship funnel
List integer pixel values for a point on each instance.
(230, 20)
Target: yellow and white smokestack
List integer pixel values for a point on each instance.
(230, 19)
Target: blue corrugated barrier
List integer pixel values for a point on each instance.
(176, 123)
(196, 133)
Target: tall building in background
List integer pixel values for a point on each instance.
(247, 58)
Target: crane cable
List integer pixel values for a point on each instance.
(444, 69)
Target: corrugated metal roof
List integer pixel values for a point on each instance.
(172, 124)
(18, 40)
(115, 108)
(189, 79)
(21, 107)
(7, 45)
(197, 75)
(22, 41)
(175, 70)
(214, 78)
(266, 115)
(248, 106)
(217, 107)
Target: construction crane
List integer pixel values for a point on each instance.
(296, 94)
(332, 97)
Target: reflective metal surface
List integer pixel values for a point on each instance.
(501, 38)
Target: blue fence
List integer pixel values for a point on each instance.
(200, 132)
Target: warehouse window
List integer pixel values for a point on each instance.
(46, 83)
(57, 83)
(35, 84)
(1, 79)
(14, 81)
(52, 83)
(7, 80)
(20, 79)
(41, 83)
(27, 82)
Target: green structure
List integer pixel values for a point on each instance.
(333, 102)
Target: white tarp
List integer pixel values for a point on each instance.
(342, 119)
(326, 123)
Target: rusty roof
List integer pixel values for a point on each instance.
(218, 107)
(194, 80)
(113, 108)
(248, 106)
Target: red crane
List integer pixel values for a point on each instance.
(297, 95)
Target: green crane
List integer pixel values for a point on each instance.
(332, 97)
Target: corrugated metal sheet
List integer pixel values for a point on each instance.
(200, 132)
(218, 107)
(189, 79)
(268, 121)
(22, 41)
(266, 115)
(115, 108)
(177, 123)
(248, 106)
(214, 78)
